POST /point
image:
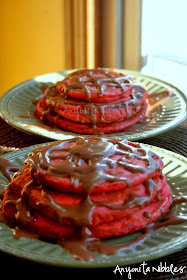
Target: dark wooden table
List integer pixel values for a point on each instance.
(12, 139)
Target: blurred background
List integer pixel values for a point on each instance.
(42, 36)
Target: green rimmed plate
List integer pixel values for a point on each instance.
(161, 242)
(17, 102)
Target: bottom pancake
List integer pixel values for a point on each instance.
(109, 218)
(44, 226)
(56, 120)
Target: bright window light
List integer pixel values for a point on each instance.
(164, 40)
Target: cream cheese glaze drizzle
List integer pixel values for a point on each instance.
(97, 151)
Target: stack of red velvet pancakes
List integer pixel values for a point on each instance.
(87, 188)
(93, 101)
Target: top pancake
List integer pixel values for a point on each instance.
(99, 85)
(94, 163)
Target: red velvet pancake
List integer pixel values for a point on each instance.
(87, 188)
(93, 101)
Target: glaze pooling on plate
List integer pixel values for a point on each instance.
(163, 241)
(18, 101)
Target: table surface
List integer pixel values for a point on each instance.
(11, 139)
